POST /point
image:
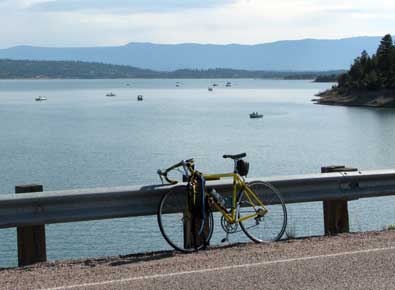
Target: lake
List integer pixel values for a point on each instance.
(80, 138)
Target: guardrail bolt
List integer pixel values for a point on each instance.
(31, 239)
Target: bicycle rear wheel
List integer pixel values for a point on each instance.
(175, 221)
(269, 226)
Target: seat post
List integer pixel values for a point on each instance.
(235, 165)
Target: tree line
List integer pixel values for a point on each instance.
(36, 69)
(375, 72)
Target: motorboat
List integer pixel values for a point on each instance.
(255, 115)
(210, 89)
(110, 95)
(228, 84)
(40, 98)
(139, 97)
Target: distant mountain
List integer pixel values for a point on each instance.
(38, 69)
(290, 55)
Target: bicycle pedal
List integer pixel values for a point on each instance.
(257, 220)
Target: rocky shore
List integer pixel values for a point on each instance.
(382, 98)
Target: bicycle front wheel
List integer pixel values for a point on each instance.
(265, 223)
(176, 223)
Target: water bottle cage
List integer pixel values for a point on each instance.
(215, 203)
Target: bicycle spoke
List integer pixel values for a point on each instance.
(272, 218)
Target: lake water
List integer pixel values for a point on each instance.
(80, 138)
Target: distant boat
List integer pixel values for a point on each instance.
(255, 115)
(110, 95)
(215, 85)
(128, 85)
(40, 98)
(228, 84)
(139, 97)
(210, 89)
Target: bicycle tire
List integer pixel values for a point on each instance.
(171, 221)
(272, 225)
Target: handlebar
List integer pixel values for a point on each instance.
(186, 164)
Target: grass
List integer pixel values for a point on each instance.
(390, 227)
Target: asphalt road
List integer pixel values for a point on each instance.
(349, 261)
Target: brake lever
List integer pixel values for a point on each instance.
(160, 173)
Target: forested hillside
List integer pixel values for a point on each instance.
(375, 72)
(369, 82)
(20, 69)
(28, 69)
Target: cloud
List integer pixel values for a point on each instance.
(116, 22)
(126, 6)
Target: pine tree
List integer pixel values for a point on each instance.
(384, 58)
(372, 73)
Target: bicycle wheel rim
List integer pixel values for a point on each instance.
(171, 220)
(271, 226)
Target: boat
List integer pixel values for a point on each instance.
(210, 89)
(40, 98)
(110, 95)
(215, 85)
(228, 84)
(139, 97)
(255, 115)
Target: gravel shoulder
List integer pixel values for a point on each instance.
(65, 274)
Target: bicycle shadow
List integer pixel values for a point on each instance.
(142, 257)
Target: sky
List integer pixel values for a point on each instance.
(61, 23)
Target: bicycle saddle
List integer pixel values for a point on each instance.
(236, 156)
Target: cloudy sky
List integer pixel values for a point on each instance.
(117, 22)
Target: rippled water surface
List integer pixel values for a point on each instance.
(80, 138)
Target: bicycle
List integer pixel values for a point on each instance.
(185, 213)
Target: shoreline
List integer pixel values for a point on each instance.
(155, 78)
(357, 98)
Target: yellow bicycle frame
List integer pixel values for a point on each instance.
(238, 185)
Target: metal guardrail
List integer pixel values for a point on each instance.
(29, 212)
(105, 203)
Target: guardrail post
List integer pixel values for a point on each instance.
(193, 221)
(31, 239)
(336, 217)
(336, 211)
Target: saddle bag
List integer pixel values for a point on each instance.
(242, 167)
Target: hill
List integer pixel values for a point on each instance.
(34, 69)
(290, 55)
(20, 69)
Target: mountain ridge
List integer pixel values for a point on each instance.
(286, 55)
